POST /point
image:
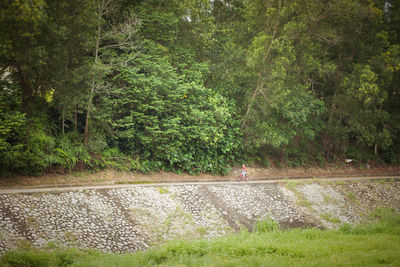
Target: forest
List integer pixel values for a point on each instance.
(197, 86)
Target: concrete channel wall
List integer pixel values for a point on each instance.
(131, 218)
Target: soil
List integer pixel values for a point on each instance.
(110, 176)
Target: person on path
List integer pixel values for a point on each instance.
(243, 173)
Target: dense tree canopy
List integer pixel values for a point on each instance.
(197, 85)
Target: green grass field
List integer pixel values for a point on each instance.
(369, 244)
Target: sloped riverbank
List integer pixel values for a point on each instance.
(133, 218)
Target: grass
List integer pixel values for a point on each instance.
(329, 218)
(327, 199)
(267, 225)
(163, 190)
(352, 198)
(301, 199)
(368, 244)
(291, 185)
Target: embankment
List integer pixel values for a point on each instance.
(131, 218)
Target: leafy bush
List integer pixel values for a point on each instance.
(25, 148)
(97, 143)
(390, 156)
(359, 153)
(114, 158)
(12, 131)
(70, 150)
(263, 161)
(171, 123)
(36, 151)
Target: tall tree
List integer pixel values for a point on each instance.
(281, 104)
(111, 34)
(24, 46)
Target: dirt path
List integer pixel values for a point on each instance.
(113, 177)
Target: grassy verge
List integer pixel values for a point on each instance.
(369, 244)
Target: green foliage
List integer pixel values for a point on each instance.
(297, 155)
(266, 225)
(352, 198)
(12, 125)
(169, 122)
(194, 85)
(24, 145)
(359, 153)
(163, 190)
(282, 106)
(69, 151)
(263, 162)
(390, 156)
(30, 256)
(329, 218)
(364, 99)
(113, 158)
(382, 220)
(39, 151)
(38, 148)
(97, 143)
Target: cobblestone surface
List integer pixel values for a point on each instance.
(134, 218)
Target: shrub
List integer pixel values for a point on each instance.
(25, 147)
(390, 156)
(69, 151)
(172, 123)
(97, 143)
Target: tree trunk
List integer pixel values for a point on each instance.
(260, 82)
(26, 91)
(96, 56)
(86, 135)
(282, 156)
(326, 142)
(63, 120)
(76, 118)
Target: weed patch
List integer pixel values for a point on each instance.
(381, 221)
(352, 198)
(329, 218)
(266, 225)
(301, 199)
(163, 190)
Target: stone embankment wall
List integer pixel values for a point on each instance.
(136, 217)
